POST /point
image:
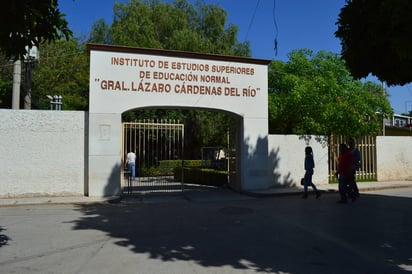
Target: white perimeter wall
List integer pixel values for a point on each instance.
(42, 153)
(394, 158)
(286, 160)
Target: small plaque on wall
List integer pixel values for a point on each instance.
(105, 132)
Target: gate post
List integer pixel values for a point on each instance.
(254, 154)
(104, 154)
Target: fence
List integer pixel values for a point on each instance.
(154, 142)
(367, 148)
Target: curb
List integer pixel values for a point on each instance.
(271, 194)
(299, 191)
(280, 192)
(10, 202)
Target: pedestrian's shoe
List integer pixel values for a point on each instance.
(342, 202)
(317, 195)
(304, 196)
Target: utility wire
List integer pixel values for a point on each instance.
(276, 28)
(251, 21)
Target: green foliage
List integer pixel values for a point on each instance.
(6, 82)
(205, 128)
(168, 167)
(202, 128)
(153, 115)
(5, 93)
(359, 178)
(100, 32)
(200, 172)
(315, 94)
(30, 23)
(177, 26)
(201, 176)
(197, 163)
(63, 70)
(195, 171)
(375, 39)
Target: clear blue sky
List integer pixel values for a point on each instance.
(300, 24)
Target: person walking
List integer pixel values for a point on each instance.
(345, 164)
(131, 163)
(357, 164)
(307, 179)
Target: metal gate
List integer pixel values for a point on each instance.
(367, 148)
(159, 149)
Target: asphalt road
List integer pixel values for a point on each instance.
(233, 235)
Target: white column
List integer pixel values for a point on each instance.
(16, 85)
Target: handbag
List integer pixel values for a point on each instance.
(302, 181)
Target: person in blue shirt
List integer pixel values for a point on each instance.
(309, 167)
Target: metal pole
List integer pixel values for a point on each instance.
(56, 102)
(60, 103)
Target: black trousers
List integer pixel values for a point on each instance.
(346, 187)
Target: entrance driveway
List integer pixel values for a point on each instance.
(230, 234)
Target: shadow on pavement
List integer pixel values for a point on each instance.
(267, 235)
(3, 238)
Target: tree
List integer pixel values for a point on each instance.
(63, 70)
(375, 38)
(6, 82)
(30, 23)
(315, 94)
(177, 26)
(100, 32)
(5, 94)
(205, 128)
(409, 113)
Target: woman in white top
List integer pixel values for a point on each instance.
(131, 161)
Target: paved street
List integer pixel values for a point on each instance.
(233, 234)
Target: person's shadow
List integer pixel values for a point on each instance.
(3, 238)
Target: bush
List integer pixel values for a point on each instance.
(197, 163)
(166, 167)
(201, 176)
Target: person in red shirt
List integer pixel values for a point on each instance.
(345, 166)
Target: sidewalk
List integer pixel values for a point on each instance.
(57, 200)
(331, 188)
(198, 196)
